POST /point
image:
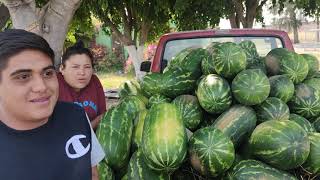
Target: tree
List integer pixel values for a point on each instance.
(133, 22)
(197, 14)
(288, 19)
(4, 15)
(48, 18)
(244, 12)
(311, 8)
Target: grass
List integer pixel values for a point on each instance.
(113, 80)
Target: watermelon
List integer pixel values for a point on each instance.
(114, 134)
(189, 60)
(190, 109)
(229, 59)
(313, 82)
(130, 87)
(207, 65)
(305, 101)
(133, 104)
(303, 122)
(177, 82)
(211, 152)
(105, 172)
(316, 124)
(273, 60)
(281, 87)
(312, 164)
(282, 144)
(138, 128)
(164, 140)
(251, 87)
(151, 84)
(313, 64)
(287, 63)
(258, 63)
(272, 109)
(236, 122)
(257, 170)
(156, 99)
(214, 94)
(138, 169)
(251, 51)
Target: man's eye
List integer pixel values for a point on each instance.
(23, 77)
(88, 67)
(75, 67)
(49, 73)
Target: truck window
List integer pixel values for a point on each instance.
(263, 44)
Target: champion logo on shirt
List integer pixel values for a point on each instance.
(79, 149)
(87, 103)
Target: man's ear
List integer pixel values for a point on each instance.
(61, 67)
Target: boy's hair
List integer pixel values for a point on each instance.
(14, 41)
(77, 48)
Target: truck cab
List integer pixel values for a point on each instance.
(172, 43)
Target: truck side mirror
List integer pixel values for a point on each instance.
(145, 66)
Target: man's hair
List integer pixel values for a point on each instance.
(77, 48)
(14, 41)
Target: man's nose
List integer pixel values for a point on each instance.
(39, 84)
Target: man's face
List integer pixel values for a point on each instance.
(28, 90)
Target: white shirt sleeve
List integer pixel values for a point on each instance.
(97, 153)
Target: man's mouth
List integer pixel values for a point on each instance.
(41, 99)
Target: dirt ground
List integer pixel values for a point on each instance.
(111, 102)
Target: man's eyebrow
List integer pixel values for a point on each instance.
(29, 70)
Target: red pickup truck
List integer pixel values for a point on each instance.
(172, 43)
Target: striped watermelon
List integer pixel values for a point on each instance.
(257, 170)
(130, 87)
(157, 98)
(138, 170)
(151, 83)
(164, 140)
(258, 63)
(251, 52)
(114, 134)
(281, 87)
(211, 152)
(237, 122)
(189, 60)
(288, 63)
(214, 94)
(272, 109)
(303, 122)
(282, 144)
(190, 109)
(273, 60)
(133, 105)
(312, 164)
(207, 65)
(138, 128)
(305, 101)
(313, 82)
(177, 82)
(313, 64)
(229, 59)
(105, 172)
(251, 87)
(316, 124)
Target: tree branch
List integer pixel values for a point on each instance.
(123, 38)
(4, 15)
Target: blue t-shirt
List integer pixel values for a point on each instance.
(57, 150)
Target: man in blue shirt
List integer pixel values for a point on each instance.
(40, 138)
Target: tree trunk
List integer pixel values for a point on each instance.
(234, 21)
(4, 15)
(318, 29)
(136, 55)
(51, 21)
(294, 27)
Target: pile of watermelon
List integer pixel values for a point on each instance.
(222, 112)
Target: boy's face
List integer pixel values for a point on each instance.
(28, 90)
